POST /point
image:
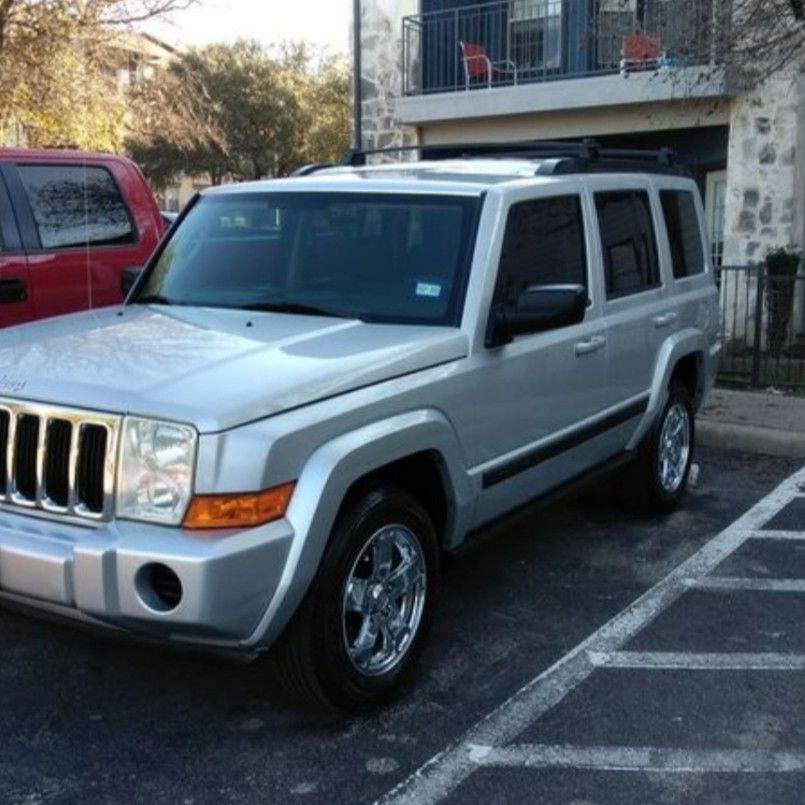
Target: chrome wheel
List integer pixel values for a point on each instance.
(383, 600)
(674, 447)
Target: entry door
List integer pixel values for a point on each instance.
(538, 393)
(15, 294)
(715, 202)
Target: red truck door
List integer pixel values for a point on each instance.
(67, 213)
(82, 224)
(15, 298)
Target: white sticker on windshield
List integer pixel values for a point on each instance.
(428, 289)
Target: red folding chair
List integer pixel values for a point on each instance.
(479, 67)
(640, 52)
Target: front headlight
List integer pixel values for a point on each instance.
(155, 477)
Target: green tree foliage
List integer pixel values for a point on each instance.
(57, 69)
(240, 112)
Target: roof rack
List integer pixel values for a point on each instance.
(555, 157)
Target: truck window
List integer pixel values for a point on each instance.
(76, 206)
(543, 245)
(684, 235)
(628, 244)
(384, 257)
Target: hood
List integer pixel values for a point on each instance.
(215, 368)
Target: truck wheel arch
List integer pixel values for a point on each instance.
(678, 357)
(343, 466)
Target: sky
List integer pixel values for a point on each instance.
(325, 23)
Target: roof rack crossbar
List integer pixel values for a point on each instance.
(587, 150)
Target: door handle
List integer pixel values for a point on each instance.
(589, 345)
(13, 291)
(665, 319)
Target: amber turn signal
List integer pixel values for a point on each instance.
(238, 510)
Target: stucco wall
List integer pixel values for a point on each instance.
(381, 73)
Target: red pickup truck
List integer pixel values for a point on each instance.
(71, 224)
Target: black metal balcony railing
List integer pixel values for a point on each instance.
(507, 42)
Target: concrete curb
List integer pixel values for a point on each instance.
(750, 438)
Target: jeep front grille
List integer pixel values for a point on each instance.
(56, 460)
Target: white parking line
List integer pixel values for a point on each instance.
(793, 535)
(640, 758)
(684, 660)
(443, 773)
(752, 584)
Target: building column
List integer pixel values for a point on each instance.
(381, 79)
(765, 205)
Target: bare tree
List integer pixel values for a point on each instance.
(765, 37)
(56, 62)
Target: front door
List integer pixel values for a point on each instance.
(533, 421)
(79, 234)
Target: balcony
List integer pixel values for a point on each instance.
(452, 58)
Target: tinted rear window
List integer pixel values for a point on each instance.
(684, 235)
(76, 206)
(627, 241)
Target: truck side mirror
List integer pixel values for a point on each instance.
(538, 308)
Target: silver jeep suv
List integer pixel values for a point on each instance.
(318, 386)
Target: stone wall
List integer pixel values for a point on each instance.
(765, 192)
(381, 71)
(765, 204)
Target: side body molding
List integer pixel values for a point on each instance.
(328, 475)
(679, 345)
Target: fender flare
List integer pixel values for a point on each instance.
(325, 480)
(689, 341)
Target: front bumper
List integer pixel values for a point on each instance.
(227, 580)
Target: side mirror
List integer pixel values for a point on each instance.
(539, 308)
(128, 277)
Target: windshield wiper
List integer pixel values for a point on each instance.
(299, 308)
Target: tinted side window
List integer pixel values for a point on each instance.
(76, 206)
(627, 241)
(684, 236)
(543, 245)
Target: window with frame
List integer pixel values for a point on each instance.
(535, 34)
(684, 234)
(76, 206)
(628, 243)
(543, 245)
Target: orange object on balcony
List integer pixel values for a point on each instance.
(640, 52)
(477, 65)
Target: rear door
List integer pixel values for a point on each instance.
(75, 225)
(15, 298)
(637, 307)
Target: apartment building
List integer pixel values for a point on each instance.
(641, 73)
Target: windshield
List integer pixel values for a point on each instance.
(374, 256)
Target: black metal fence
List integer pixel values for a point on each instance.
(762, 328)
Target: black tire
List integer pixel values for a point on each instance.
(311, 659)
(653, 495)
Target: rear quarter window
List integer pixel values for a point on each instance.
(75, 206)
(684, 235)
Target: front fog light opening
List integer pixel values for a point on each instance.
(158, 587)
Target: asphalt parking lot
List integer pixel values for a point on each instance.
(587, 655)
